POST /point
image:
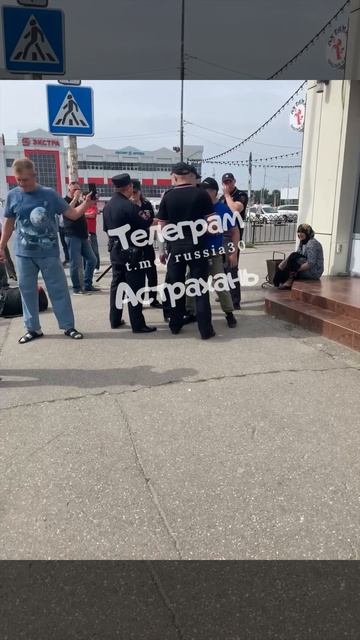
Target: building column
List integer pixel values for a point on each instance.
(330, 168)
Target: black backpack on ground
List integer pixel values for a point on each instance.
(10, 302)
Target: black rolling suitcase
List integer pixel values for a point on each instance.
(10, 302)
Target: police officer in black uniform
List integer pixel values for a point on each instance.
(149, 252)
(125, 261)
(185, 203)
(229, 184)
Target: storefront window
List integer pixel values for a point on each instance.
(45, 165)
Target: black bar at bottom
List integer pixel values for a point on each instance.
(186, 600)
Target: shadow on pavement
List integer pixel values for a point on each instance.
(247, 327)
(141, 376)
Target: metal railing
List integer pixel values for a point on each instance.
(264, 232)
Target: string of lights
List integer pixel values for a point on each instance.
(252, 135)
(278, 166)
(243, 163)
(311, 42)
(283, 155)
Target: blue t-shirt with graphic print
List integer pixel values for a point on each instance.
(215, 241)
(36, 221)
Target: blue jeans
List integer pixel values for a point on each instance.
(81, 248)
(56, 284)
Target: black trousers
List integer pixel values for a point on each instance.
(151, 272)
(293, 264)
(64, 244)
(3, 276)
(134, 279)
(176, 272)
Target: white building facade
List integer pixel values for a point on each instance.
(95, 164)
(330, 175)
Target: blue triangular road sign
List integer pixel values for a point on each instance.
(34, 40)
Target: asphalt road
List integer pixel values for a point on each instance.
(161, 447)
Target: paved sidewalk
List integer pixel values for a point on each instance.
(161, 446)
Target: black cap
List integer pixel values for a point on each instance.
(210, 183)
(183, 169)
(136, 184)
(227, 176)
(121, 180)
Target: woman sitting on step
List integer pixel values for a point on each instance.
(306, 263)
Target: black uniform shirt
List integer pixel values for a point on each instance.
(77, 228)
(185, 203)
(148, 208)
(120, 211)
(239, 196)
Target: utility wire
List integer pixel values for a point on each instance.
(228, 135)
(219, 66)
(252, 135)
(241, 163)
(255, 160)
(311, 42)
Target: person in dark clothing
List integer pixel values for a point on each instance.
(306, 263)
(63, 242)
(7, 270)
(149, 252)
(232, 195)
(181, 205)
(77, 239)
(91, 220)
(126, 258)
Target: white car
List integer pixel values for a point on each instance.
(264, 214)
(289, 212)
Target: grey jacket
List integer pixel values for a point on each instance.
(313, 252)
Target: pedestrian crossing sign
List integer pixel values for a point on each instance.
(70, 110)
(34, 40)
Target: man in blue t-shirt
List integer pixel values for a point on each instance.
(33, 210)
(214, 248)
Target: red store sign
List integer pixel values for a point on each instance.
(40, 142)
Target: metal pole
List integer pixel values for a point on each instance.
(73, 159)
(182, 71)
(288, 186)
(263, 189)
(74, 177)
(250, 179)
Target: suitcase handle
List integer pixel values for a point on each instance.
(281, 253)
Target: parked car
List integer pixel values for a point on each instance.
(271, 214)
(289, 212)
(264, 214)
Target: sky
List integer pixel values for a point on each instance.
(146, 115)
(223, 39)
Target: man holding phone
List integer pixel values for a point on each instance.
(77, 239)
(91, 220)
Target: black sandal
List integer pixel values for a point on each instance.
(75, 335)
(30, 335)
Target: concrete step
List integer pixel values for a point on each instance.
(330, 324)
(340, 295)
